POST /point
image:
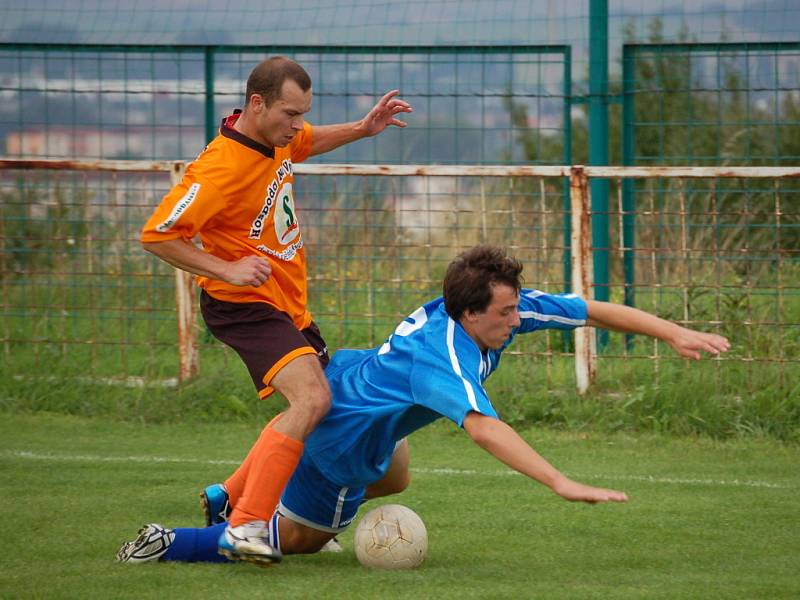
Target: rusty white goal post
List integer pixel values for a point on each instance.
(580, 203)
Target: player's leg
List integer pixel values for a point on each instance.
(276, 354)
(304, 385)
(218, 499)
(314, 509)
(296, 538)
(289, 537)
(275, 457)
(278, 449)
(200, 544)
(397, 477)
(217, 502)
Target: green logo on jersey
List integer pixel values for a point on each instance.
(287, 208)
(286, 226)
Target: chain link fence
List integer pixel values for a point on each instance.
(715, 249)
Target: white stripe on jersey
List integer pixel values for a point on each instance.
(451, 349)
(180, 207)
(529, 314)
(337, 516)
(537, 293)
(486, 365)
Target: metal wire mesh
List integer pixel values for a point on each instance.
(711, 104)
(715, 253)
(80, 103)
(78, 296)
(484, 105)
(720, 254)
(379, 246)
(81, 298)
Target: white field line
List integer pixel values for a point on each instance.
(24, 454)
(644, 478)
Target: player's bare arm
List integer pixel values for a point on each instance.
(506, 445)
(382, 115)
(686, 342)
(250, 270)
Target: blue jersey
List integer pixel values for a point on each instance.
(428, 368)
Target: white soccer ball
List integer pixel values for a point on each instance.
(391, 537)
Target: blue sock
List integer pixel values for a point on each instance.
(196, 544)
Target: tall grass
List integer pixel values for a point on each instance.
(83, 305)
(695, 399)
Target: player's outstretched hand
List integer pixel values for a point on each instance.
(384, 113)
(689, 343)
(250, 270)
(578, 492)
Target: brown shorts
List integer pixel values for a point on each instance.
(264, 337)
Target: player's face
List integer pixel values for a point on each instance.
(279, 122)
(492, 328)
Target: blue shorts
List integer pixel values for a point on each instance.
(312, 500)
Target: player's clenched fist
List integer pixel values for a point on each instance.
(250, 270)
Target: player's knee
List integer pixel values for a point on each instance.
(299, 547)
(394, 484)
(306, 545)
(312, 547)
(400, 483)
(319, 403)
(313, 405)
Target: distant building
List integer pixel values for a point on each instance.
(165, 142)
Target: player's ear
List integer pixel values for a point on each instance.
(256, 103)
(470, 316)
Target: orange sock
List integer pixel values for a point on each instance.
(236, 482)
(269, 466)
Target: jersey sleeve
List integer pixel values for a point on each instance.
(450, 385)
(184, 210)
(538, 310)
(301, 144)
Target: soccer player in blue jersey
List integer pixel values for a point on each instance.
(434, 365)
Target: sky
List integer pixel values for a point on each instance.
(441, 22)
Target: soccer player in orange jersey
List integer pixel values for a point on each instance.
(237, 197)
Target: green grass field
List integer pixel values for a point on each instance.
(707, 519)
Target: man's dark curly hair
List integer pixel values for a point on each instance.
(471, 276)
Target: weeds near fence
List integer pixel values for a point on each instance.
(88, 322)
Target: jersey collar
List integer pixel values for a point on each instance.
(226, 130)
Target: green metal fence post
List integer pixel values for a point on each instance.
(567, 154)
(211, 125)
(628, 201)
(598, 144)
(566, 337)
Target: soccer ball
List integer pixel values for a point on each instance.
(391, 537)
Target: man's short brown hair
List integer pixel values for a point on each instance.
(268, 77)
(471, 276)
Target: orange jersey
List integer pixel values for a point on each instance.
(237, 196)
